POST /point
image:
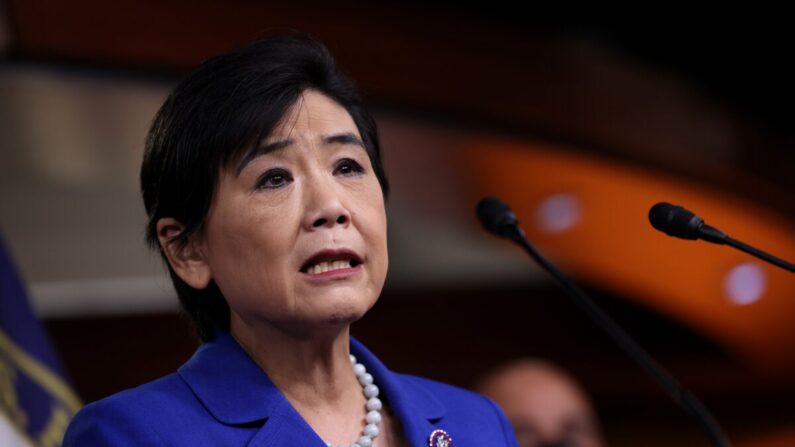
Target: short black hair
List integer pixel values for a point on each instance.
(216, 114)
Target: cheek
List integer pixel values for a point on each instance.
(376, 227)
(245, 242)
(372, 209)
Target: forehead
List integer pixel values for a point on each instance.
(313, 113)
(313, 118)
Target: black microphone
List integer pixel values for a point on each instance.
(499, 220)
(676, 221)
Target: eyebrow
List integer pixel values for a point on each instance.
(263, 149)
(344, 138)
(259, 150)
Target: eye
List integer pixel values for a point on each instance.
(348, 167)
(274, 179)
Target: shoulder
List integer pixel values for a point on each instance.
(447, 394)
(136, 416)
(418, 402)
(465, 411)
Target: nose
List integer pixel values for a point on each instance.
(323, 221)
(324, 207)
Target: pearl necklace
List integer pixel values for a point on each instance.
(373, 418)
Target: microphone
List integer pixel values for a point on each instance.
(499, 220)
(677, 221)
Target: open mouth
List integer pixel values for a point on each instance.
(326, 261)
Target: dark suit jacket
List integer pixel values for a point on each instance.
(220, 397)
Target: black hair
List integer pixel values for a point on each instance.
(215, 115)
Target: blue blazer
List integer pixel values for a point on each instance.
(220, 397)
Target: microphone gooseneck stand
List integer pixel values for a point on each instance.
(760, 254)
(677, 221)
(500, 220)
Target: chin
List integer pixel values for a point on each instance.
(347, 313)
(344, 317)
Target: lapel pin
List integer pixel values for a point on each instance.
(440, 438)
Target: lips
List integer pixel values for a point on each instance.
(328, 260)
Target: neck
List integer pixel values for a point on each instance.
(312, 370)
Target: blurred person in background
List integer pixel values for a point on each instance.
(545, 405)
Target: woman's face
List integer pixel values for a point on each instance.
(296, 235)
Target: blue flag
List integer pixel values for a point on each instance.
(36, 403)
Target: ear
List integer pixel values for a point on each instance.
(189, 261)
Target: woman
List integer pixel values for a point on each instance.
(263, 185)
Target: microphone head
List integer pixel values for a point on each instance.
(675, 221)
(496, 216)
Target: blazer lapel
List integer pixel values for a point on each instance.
(238, 394)
(285, 427)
